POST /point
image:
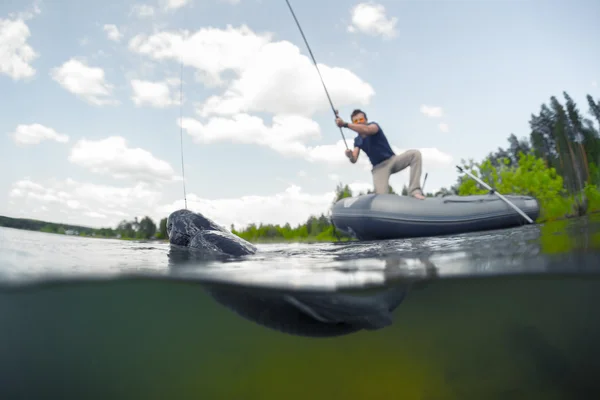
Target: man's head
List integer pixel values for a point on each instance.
(358, 117)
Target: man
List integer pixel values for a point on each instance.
(385, 162)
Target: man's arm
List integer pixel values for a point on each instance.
(354, 157)
(369, 129)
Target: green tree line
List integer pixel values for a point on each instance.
(143, 229)
(558, 163)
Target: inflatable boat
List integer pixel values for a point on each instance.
(390, 216)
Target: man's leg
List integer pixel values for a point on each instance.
(381, 177)
(412, 159)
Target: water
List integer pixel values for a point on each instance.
(503, 314)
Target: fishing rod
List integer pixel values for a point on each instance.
(319, 72)
(181, 130)
(494, 191)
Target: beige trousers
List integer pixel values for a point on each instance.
(382, 171)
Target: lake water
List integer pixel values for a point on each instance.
(494, 315)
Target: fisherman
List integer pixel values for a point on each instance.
(385, 162)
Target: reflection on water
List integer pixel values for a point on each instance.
(504, 314)
(310, 313)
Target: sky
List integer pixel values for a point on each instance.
(93, 126)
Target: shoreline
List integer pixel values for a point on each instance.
(304, 240)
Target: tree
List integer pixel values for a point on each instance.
(125, 229)
(162, 230)
(147, 228)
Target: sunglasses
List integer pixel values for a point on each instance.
(357, 120)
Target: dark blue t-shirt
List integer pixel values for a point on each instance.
(376, 146)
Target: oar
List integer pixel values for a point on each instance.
(494, 191)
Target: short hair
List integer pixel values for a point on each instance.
(358, 111)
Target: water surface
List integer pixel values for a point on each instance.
(500, 314)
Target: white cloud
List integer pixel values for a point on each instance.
(84, 203)
(269, 76)
(112, 32)
(281, 80)
(594, 83)
(370, 18)
(288, 135)
(15, 53)
(431, 111)
(444, 127)
(285, 135)
(142, 10)
(112, 156)
(210, 50)
(432, 157)
(293, 206)
(174, 4)
(84, 81)
(302, 174)
(35, 134)
(154, 94)
(100, 205)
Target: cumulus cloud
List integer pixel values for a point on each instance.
(112, 32)
(444, 127)
(271, 77)
(281, 80)
(100, 205)
(285, 134)
(142, 10)
(431, 111)
(370, 18)
(16, 54)
(112, 156)
(84, 81)
(210, 50)
(83, 203)
(261, 77)
(293, 206)
(288, 136)
(35, 134)
(154, 94)
(174, 4)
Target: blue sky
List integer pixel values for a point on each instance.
(90, 128)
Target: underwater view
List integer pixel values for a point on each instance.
(497, 314)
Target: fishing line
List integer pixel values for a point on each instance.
(181, 130)
(319, 72)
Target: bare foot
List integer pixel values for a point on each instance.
(418, 195)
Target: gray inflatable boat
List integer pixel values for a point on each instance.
(389, 216)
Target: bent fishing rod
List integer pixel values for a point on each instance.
(319, 72)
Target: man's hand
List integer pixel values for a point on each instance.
(340, 122)
(349, 155)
